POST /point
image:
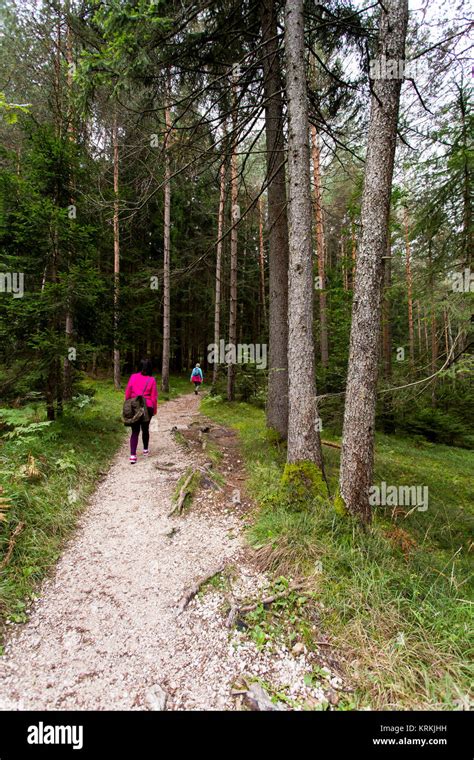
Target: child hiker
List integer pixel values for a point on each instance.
(142, 384)
(196, 377)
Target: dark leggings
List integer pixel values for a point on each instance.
(145, 428)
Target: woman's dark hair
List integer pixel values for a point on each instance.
(146, 367)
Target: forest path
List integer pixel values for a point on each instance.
(106, 630)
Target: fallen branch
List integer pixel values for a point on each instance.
(191, 593)
(331, 444)
(11, 545)
(235, 610)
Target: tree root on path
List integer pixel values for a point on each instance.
(182, 494)
(185, 489)
(235, 610)
(191, 592)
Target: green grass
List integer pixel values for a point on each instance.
(178, 384)
(396, 600)
(47, 474)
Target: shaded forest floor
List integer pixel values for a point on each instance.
(144, 608)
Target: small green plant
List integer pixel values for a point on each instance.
(81, 401)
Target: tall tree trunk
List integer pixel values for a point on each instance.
(261, 260)
(234, 193)
(467, 236)
(386, 317)
(446, 334)
(277, 397)
(344, 263)
(434, 338)
(418, 322)
(217, 305)
(52, 391)
(425, 326)
(69, 320)
(116, 254)
(353, 253)
(320, 245)
(165, 369)
(303, 433)
(411, 332)
(359, 413)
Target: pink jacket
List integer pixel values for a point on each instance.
(136, 387)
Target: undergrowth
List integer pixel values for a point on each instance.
(395, 599)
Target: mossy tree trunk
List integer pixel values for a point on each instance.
(304, 443)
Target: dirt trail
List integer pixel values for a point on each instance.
(106, 629)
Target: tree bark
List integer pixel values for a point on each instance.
(386, 316)
(434, 338)
(303, 436)
(217, 305)
(277, 397)
(116, 254)
(357, 457)
(69, 320)
(320, 246)
(234, 192)
(354, 254)
(411, 331)
(261, 261)
(165, 369)
(467, 236)
(418, 321)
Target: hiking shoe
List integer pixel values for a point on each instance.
(145, 452)
(133, 459)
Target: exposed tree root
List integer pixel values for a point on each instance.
(191, 592)
(235, 610)
(182, 495)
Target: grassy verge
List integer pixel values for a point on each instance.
(395, 599)
(179, 384)
(47, 473)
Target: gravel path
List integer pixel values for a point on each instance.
(106, 633)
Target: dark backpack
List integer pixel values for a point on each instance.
(135, 409)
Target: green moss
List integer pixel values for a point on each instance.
(340, 505)
(302, 484)
(191, 488)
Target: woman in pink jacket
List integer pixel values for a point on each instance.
(142, 384)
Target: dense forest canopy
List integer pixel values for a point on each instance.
(146, 168)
